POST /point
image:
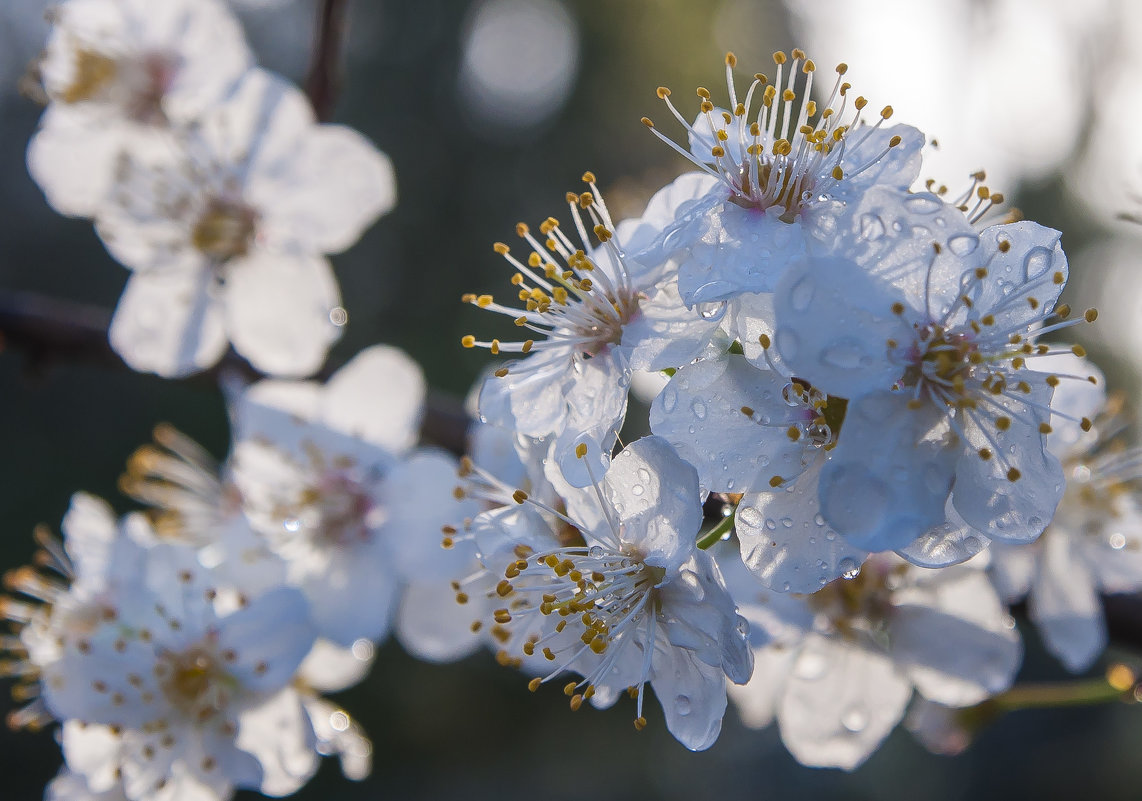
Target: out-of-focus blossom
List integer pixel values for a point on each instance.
(121, 76)
(225, 235)
(1094, 542)
(836, 668)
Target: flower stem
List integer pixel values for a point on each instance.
(1117, 685)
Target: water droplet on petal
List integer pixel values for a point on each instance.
(810, 665)
(712, 311)
(849, 568)
(682, 705)
(637, 490)
(1117, 540)
(699, 409)
(1037, 262)
(963, 244)
(855, 719)
(801, 295)
(923, 204)
(291, 524)
(669, 399)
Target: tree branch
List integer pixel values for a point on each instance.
(323, 82)
(50, 332)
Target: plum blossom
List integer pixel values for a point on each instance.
(226, 234)
(836, 668)
(121, 75)
(328, 475)
(1094, 541)
(595, 315)
(164, 689)
(778, 185)
(929, 330)
(635, 603)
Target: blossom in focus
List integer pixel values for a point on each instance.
(225, 234)
(579, 303)
(836, 669)
(777, 184)
(636, 603)
(120, 76)
(929, 329)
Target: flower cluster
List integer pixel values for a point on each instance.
(861, 373)
(185, 649)
(206, 177)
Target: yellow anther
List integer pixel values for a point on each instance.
(1090, 315)
(788, 95)
(588, 177)
(576, 702)
(1003, 423)
(1013, 474)
(794, 433)
(535, 684)
(702, 92)
(1086, 424)
(809, 67)
(838, 173)
(519, 496)
(1045, 428)
(461, 597)
(981, 273)
(569, 688)
(469, 341)
(731, 60)
(495, 347)
(1059, 278)
(1078, 350)
(662, 92)
(886, 112)
(639, 724)
(764, 341)
(895, 141)
(747, 411)
(779, 58)
(776, 481)
(898, 308)
(985, 453)
(717, 151)
(502, 616)
(860, 103)
(798, 53)
(1005, 246)
(581, 450)
(996, 198)
(501, 248)
(1063, 310)
(504, 588)
(648, 122)
(528, 345)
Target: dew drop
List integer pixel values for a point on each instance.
(849, 568)
(1037, 262)
(872, 227)
(699, 409)
(712, 311)
(682, 705)
(770, 524)
(595, 552)
(855, 719)
(923, 204)
(1117, 541)
(963, 244)
(292, 524)
(637, 490)
(669, 399)
(847, 354)
(801, 295)
(788, 343)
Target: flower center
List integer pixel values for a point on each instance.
(138, 83)
(195, 683)
(225, 230)
(791, 152)
(337, 510)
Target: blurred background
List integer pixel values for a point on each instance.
(490, 111)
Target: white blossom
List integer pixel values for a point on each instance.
(225, 234)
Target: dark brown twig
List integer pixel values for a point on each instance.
(50, 331)
(323, 84)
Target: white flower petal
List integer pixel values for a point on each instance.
(326, 192)
(278, 733)
(432, 626)
(786, 542)
(884, 484)
(655, 494)
(1065, 606)
(278, 311)
(840, 702)
(169, 323)
(378, 396)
